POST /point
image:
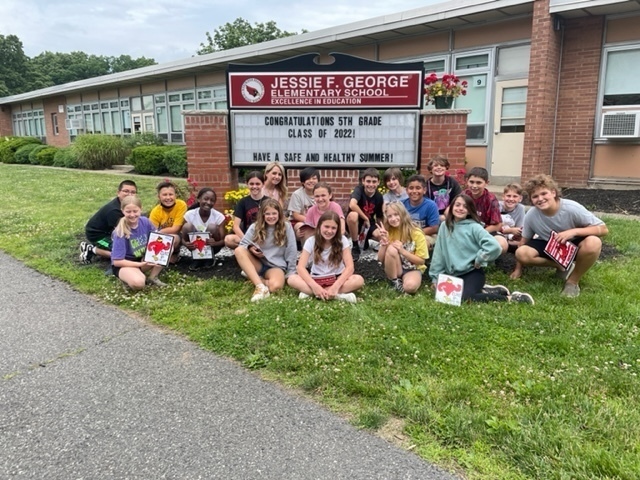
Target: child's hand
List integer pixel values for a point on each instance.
(319, 292)
(397, 244)
(256, 252)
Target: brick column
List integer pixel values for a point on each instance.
(541, 97)
(444, 132)
(579, 78)
(6, 125)
(207, 137)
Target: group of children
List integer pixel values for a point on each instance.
(464, 230)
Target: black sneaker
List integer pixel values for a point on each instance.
(522, 298)
(86, 252)
(355, 252)
(496, 290)
(396, 284)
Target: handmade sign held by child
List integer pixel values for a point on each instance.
(159, 247)
(203, 250)
(449, 289)
(562, 253)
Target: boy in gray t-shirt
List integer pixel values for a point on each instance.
(570, 220)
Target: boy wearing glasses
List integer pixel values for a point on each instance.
(99, 228)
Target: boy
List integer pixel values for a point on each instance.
(570, 220)
(365, 209)
(302, 199)
(99, 227)
(512, 214)
(423, 211)
(441, 188)
(487, 205)
(394, 181)
(168, 215)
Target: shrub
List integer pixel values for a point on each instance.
(148, 160)
(66, 157)
(33, 155)
(9, 146)
(46, 155)
(22, 154)
(98, 152)
(175, 161)
(143, 140)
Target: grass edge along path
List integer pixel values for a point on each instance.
(489, 391)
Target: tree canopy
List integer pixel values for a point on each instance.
(241, 33)
(19, 73)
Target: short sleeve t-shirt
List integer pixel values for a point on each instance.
(514, 218)
(425, 214)
(132, 248)
(393, 197)
(300, 202)
(443, 194)
(570, 215)
(193, 217)
(324, 268)
(487, 207)
(370, 206)
(417, 245)
(314, 214)
(247, 211)
(163, 217)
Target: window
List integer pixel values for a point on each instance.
(513, 61)
(54, 124)
(513, 109)
(475, 68)
(622, 70)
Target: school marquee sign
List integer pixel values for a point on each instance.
(352, 113)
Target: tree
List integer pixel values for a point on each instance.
(13, 65)
(241, 33)
(125, 62)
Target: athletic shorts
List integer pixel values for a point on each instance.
(105, 243)
(538, 245)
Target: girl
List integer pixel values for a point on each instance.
(268, 250)
(463, 249)
(246, 210)
(168, 215)
(275, 183)
(403, 249)
(323, 203)
(204, 219)
(332, 268)
(129, 244)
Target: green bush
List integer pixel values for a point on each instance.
(22, 154)
(46, 155)
(148, 160)
(175, 161)
(33, 155)
(143, 140)
(66, 157)
(99, 152)
(9, 146)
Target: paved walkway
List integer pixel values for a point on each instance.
(87, 391)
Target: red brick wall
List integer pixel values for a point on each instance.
(579, 77)
(206, 135)
(51, 107)
(207, 139)
(6, 126)
(541, 97)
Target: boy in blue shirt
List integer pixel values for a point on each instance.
(423, 211)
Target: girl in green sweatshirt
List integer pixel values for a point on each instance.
(463, 250)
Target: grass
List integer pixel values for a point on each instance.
(489, 391)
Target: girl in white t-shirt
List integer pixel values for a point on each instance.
(204, 219)
(332, 272)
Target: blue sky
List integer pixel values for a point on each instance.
(165, 29)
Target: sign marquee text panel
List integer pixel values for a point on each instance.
(367, 138)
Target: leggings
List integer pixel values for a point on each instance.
(473, 283)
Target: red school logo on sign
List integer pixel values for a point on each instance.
(399, 89)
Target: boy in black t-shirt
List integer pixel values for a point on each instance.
(365, 209)
(99, 227)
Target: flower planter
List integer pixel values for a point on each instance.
(443, 102)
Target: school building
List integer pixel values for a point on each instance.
(554, 85)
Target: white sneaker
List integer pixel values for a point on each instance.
(260, 293)
(303, 296)
(347, 297)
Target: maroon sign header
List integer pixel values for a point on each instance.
(287, 90)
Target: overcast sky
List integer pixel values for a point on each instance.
(167, 29)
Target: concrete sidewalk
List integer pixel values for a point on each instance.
(90, 392)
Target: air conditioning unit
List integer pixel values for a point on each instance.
(620, 124)
(74, 123)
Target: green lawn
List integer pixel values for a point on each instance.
(488, 391)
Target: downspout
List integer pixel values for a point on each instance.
(555, 113)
